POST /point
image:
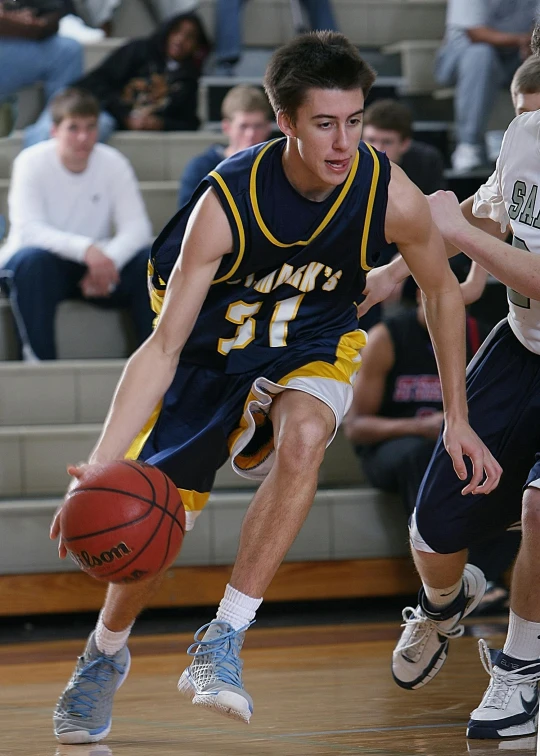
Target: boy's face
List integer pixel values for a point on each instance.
(246, 129)
(183, 40)
(525, 102)
(386, 140)
(75, 138)
(327, 131)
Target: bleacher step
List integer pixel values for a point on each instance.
(350, 523)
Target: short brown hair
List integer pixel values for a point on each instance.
(245, 99)
(73, 102)
(390, 115)
(317, 60)
(527, 77)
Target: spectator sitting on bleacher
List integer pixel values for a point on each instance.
(229, 34)
(65, 197)
(396, 417)
(388, 128)
(246, 121)
(149, 84)
(484, 43)
(32, 52)
(99, 13)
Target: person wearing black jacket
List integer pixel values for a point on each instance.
(149, 84)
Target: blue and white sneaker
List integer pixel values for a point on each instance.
(83, 713)
(509, 707)
(214, 677)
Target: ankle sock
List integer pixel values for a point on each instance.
(107, 641)
(237, 609)
(440, 598)
(523, 639)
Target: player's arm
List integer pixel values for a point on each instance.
(363, 424)
(150, 371)
(410, 226)
(382, 281)
(517, 268)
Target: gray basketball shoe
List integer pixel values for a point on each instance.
(83, 713)
(214, 677)
(423, 646)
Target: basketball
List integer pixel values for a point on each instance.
(123, 521)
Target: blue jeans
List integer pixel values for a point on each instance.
(39, 280)
(228, 25)
(478, 71)
(41, 129)
(56, 62)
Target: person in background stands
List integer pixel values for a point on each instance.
(388, 127)
(148, 84)
(32, 52)
(484, 43)
(246, 121)
(66, 195)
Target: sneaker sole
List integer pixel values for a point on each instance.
(77, 737)
(434, 667)
(437, 662)
(480, 732)
(224, 703)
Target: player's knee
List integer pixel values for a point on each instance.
(303, 443)
(530, 516)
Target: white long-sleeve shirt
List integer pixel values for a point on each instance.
(63, 212)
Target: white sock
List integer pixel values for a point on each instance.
(107, 641)
(523, 639)
(236, 608)
(439, 598)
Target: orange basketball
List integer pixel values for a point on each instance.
(123, 521)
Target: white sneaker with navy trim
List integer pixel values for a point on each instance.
(509, 707)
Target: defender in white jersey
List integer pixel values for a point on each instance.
(503, 391)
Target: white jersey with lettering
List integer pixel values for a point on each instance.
(509, 197)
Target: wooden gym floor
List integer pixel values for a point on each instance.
(318, 691)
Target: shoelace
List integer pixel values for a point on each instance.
(498, 693)
(98, 673)
(420, 626)
(223, 650)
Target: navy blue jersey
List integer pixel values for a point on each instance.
(297, 267)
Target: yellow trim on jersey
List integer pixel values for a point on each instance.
(137, 445)
(345, 366)
(193, 501)
(240, 227)
(330, 214)
(369, 208)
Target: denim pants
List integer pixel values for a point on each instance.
(229, 22)
(478, 71)
(39, 280)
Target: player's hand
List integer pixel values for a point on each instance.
(380, 284)
(76, 471)
(102, 276)
(461, 441)
(446, 213)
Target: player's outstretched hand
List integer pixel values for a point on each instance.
(461, 441)
(380, 284)
(446, 213)
(76, 471)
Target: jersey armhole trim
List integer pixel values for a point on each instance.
(369, 208)
(240, 228)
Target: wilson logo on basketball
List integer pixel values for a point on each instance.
(85, 560)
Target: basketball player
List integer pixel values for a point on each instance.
(256, 348)
(504, 402)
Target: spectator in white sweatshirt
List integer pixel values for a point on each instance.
(79, 228)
